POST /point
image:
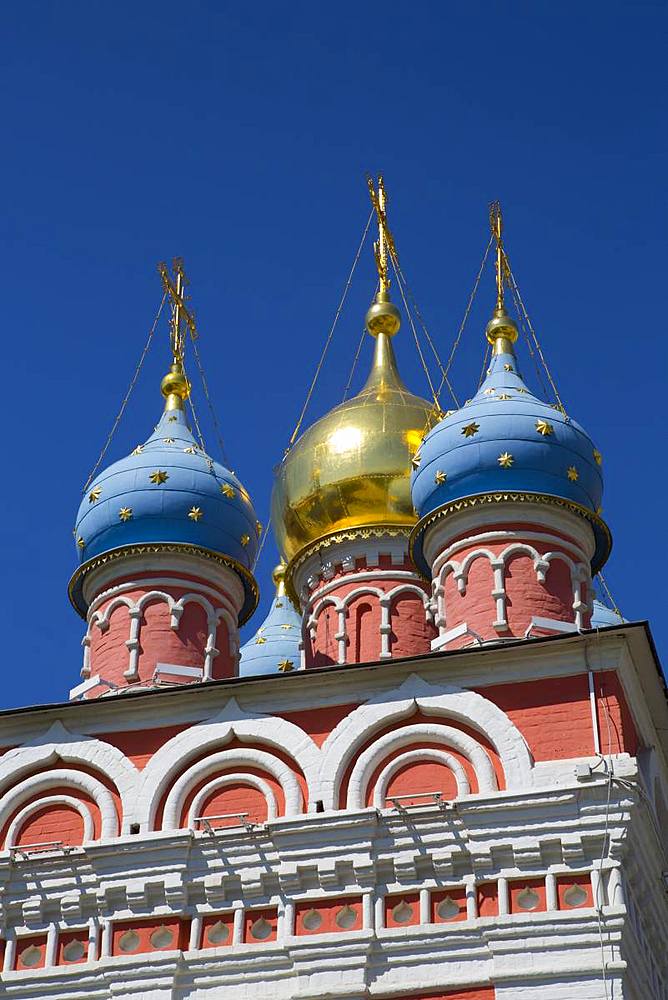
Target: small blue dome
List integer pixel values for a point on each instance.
(505, 440)
(602, 616)
(275, 646)
(169, 491)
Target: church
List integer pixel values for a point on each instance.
(436, 770)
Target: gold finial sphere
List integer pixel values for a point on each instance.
(175, 383)
(501, 326)
(383, 316)
(278, 574)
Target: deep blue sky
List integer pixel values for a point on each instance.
(238, 135)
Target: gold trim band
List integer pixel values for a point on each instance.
(334, 538)
(600, 528)
(75, 587)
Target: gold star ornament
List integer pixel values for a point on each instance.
(168, 440)
(195, 514)
(259, 528)
(470, 429)
(95, 494)
(505, 460)
(80, 542)
(260, 640)
(508, 368)
(138, 450)
(285, 666)
(286, 627)
(245, 539)
(416, 459)
(504, 395)
(191, 450)
(544, 427)
(227, 490)
(573, 474)
(598, 458)
(125, 513)
(158, 477)
(440, 477)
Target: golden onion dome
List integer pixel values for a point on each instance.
(351, 469)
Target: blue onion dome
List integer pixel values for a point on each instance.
(602, 616)
(508, 444)
(275, 646)
(168, 493)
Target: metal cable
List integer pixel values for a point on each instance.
(295, 432)
(354, 366)
(608, 593)
(466, 316)
(485, 362)
(127, 396)
(214, 418)
(516, 291)
(415, 336)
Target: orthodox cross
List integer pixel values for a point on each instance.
(174, 286)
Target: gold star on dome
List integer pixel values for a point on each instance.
(508, 368)
(285, 666)
(598, 458)
(172, 419)
(260, 640)
(138, 450)
(192, 450)
(416, 459)
(470, 429)
(125, 513)
(504, 395)
(489, 392)
(599, 511)
(195, 513)
(440, 477)
(159, 476)
(505, 460)
(245, 539)
(168, 440)
(286, 627)
(489, 371)
(259, 528)
(573, 474)
(227, 490)
(544, 427)
(95, 494)
(522, 389)
(80, 542)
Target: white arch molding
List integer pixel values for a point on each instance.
(371, 758)
(224, 781)
(68, 801)
(232, 722)
(341, 748)
(27, 789)
(418, 756)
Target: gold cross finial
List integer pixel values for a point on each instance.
(175, 386)
(385, 243)
(496, 225)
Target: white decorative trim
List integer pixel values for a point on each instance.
(549, 625)
(233, 779)
(43, 803)
(59, 745)
(457, 632)
(25, 790)
(236, 757)
(419, 756)
(169, 762)
(371, 758)
(340, 748)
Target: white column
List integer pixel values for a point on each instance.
(51, 956)
(238, 926)
(425, 915)
(551, 899)
(195, 932)
(504, 903)
(105, 951)
(471, 898)
(288, 920)
(93, 940)
(367, 911)
(10, 951)
(380, 912)
(615, 887)
(385, 629)
(341, 634)
(597, 889)
(499, 595)
(133, 644)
